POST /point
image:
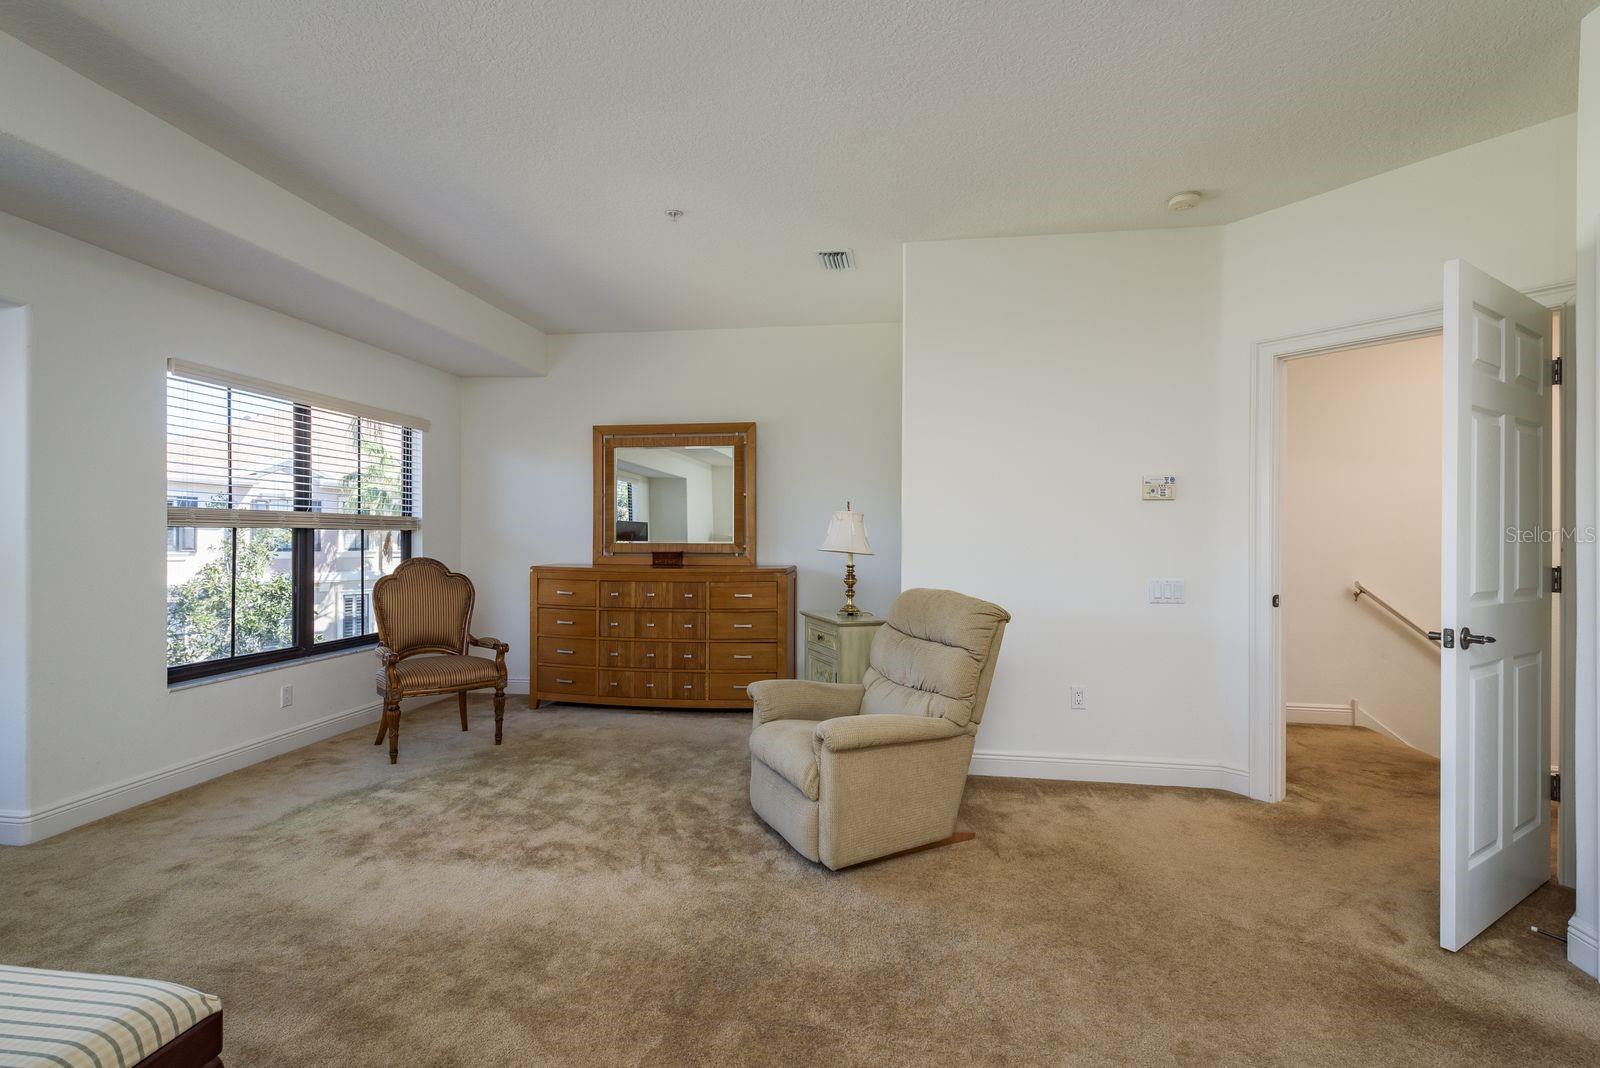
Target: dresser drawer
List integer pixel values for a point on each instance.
(687, 686)
(617, 624)
(656, 684)
(577, 652)
(653, 656)
(744, 656)
(744, 626)
(615, 654)
(652, 625)
(555, 679)
(616, 684)
(730, 685)
(826, 637)
(743, 596)
(566, 623)
(652, 594)
(616, 594)
(688, 656)
(688, 626)
(690, 595)
(578, 593)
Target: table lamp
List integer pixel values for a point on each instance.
(847, 533)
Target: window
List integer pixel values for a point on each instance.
(350, 616)
(624, 500)
(181, 539)
(283, 508)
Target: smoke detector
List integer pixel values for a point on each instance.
(840, 259)
(1183, 201)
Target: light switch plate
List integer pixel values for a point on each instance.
(1160, 488)
(1167, 591)
(286, 697)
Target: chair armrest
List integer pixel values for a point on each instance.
(489, 643)
(869, 732)
(386, 656)
(803, 699)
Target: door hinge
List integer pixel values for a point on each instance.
(1555, 579)
(1555, 370)
(1555, 786)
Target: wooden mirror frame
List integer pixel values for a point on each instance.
(741, 436)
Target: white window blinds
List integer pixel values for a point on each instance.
(247, 453)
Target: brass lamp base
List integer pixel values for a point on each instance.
(850, 608)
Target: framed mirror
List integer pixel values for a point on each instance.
(685, 488)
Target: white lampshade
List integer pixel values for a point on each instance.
(847, 533)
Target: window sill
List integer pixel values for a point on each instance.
(262, 669)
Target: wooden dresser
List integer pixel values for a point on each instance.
(690, 637)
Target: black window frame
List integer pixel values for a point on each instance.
(302, 568)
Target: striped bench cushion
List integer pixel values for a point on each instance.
(73, 1020)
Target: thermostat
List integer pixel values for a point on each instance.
(1161, 487)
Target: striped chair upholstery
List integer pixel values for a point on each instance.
(425, 608)
(92, 1021)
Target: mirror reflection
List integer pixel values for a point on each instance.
(680, 495)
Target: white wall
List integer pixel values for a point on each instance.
(1135, 349)
(826, 401)
(1583, 930)
(1361, 501)
(13, 550)
(104, 730)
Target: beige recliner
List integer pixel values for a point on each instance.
(849, 773)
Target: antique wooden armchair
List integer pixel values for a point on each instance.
(424, 607)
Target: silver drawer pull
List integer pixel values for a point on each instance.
(616, 654)
(568, 652)
(649, 595)
(616, 624)
(743, 656)
(688, 686)
(649, 685)
(564, 593)
(614, 685)
(565, 682)
(743, 626)
(744, 688)
(651, 625)
(688, 597)
(688, 656)
(564, 623)
(688, 626)
(615, 594)
(649, 656)
(746, 596)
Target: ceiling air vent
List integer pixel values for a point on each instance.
(837, 260)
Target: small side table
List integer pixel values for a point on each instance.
(837, 646)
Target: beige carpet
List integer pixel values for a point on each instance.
(597, 892)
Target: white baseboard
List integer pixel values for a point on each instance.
(22, 828)
(1583, 948)
(1102, 769)
(1328, 715)
(518, 684)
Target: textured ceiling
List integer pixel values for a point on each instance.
(526, 149)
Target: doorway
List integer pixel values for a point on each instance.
(1269, 713)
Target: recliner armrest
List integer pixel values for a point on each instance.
(870, 732)
(803, 699)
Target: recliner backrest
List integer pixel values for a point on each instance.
(934, 656)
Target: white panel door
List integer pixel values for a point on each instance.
(1494, 829)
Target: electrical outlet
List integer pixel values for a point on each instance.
(1080, 699)
(286, 697)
